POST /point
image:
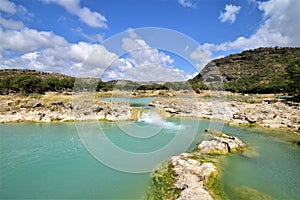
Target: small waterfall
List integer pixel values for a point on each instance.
(150, 117)
(153, 117)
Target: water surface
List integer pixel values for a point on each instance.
(49, 161)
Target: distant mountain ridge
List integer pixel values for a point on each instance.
(4, 73)
(261, 70)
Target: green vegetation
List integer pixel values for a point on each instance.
(262, 70)
(215, 187)
(162, 185)
(293, 77)
(27, 83)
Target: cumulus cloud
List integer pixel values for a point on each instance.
(12, 9)
(202, 55)
(46, 51)
(93, 19)
(11, 24)
(279, 28)
(230, 13)
(145, 63)
(187, 3)
(27, 40)
(8, 7)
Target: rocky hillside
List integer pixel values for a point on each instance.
(261, 70)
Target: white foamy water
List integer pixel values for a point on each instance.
(152, 117)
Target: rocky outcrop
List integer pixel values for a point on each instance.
(269, 114)
(61, 110)
(191, 176)
(222, 144)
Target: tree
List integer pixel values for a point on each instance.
(28, 84)
(293, 77)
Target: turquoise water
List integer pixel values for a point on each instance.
(271, 166)
(41, 161)
(135, 102)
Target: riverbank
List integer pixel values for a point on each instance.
(54, 107)
(265, 112)
(236, 109)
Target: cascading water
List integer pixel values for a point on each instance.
(152, 117)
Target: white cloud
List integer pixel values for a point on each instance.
(230, 13)
(11, 8)
(27, 40)
(283, 19)
(144, 63)
(141, 53)
(46, 51)
(93, 19)
(91, 37)
(187, 3)
(8, 7)
(11, 24)
(202, 55)
(280, 28)
(192, 75)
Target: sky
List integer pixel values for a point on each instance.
(111, 39)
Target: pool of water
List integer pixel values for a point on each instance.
(134, 102)
(41, 161)
(269, 166)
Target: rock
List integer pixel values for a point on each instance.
(251, 120)
(151, 104)
(171, 110)
(9, 103)
(190, 175)
(58, 103)
(223, 144)
(97, 109)
(36, 105)
(41, 116)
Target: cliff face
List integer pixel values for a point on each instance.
(258, 70)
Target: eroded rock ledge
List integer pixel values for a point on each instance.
(61, 109)
(266, 113)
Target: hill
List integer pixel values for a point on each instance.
(262, 70)
(32, 81)
(44, 75)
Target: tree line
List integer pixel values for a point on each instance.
(287, 82)
(31, 83)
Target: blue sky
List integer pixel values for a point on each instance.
(62, 35)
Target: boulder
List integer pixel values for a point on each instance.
(223, 144)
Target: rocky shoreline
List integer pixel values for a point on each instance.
(61, 109)
(193, 171)
(48, 108)
(272, 114)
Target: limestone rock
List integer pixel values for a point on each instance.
(191, 175)
(223, 144)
